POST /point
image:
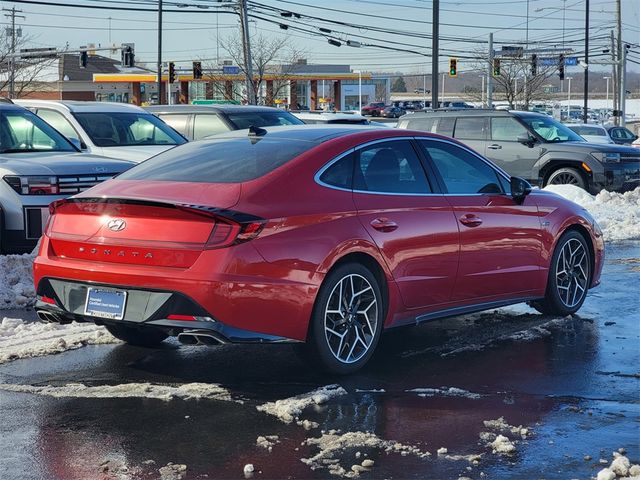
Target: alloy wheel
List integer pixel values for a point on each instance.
(565, 178)
(350, 318)
(571, 273)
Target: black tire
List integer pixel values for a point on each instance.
(348, 321)
(567, 176)
(553, 302)
(142, 337)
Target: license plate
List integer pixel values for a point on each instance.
(105, 303)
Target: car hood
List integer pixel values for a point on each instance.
(590, 147)
(60, 163)
(135, 153)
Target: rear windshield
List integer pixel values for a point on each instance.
(230, 160)
(242, 120)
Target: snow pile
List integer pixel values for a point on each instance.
(268, 441)
(618, 214)
(502, 426)
(333, 443)
(188, 391)
(620, 468)
(498, 442)
(16, 281)
(289, 409)
(248, 470)
(445, 392)
(173, 471)
(502, 445)
(20, 339)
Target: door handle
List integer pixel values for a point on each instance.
(383, 224)
(495, 146)
(470, 220)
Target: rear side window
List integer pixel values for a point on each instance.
(461, 171)
(389, 167)
(229, 160)
(243, 120)
(426, 124)
(177, 121)
(340, 173)
(206, 124)
(445, 126)
(470, 128)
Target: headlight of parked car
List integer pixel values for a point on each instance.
(607, 157)
(33, 185)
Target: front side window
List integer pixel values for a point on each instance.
(177, 121)
(389, 167)
(206, 124)
(23, 131)
(112, 129)
(59, 122)
(461, 171)
(550, 129)
(506, 129)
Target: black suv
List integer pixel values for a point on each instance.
(199, 121)
(536, 147)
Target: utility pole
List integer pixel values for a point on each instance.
(623, 87)
(12, 59)
(490, 74)
(434, 52)
(159, 63)
(619, 67)
(614, 73)
(246, 47)
(586, 63)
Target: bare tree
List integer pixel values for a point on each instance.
(517, 83)
(274, 58)
(28, 72)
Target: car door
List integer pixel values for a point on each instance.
(505, 151)
(500, 239)
(411, 224)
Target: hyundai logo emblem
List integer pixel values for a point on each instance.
(116, 225)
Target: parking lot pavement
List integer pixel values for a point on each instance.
(505, 394)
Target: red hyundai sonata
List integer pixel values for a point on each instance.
(323, 235)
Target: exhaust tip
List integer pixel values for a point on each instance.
(208, 340)
(47, 316)
(187, 339)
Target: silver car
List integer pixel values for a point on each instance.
(37, 166)
(115, 130)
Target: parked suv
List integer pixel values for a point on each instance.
(199, 121)
(115, 130)
(536, 147)
(37, 166)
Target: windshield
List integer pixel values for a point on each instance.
(596, 131)
(242, 120)
(551, 130)
(112, 129)
(23, 131)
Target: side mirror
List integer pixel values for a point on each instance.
(526, 139)
(520, 188)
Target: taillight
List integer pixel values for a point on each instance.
(230, 227)
(33, 185)
(53, 206)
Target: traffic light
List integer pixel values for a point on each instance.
(561, 67)
(496, 67)
(534, 65)
(84, 57)
(197, 70)
(172, 72)
(453, 67)
(128, 56)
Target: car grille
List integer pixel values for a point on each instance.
(70, 184)
(630, 158)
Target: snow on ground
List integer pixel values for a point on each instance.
(444, 392)
(620, 467)
(334, 443)
(497, 441)
(20, 339)
(16, 281)
(289, 409)
(188, 391)
(618, 214)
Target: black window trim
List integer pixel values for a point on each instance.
(434, 184)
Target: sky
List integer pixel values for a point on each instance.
(192, 28)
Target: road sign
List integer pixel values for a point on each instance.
(551, 61)
(230, 70)
(571, 61)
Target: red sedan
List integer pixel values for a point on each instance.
(323, 235)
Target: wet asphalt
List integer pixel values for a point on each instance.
(574, 383)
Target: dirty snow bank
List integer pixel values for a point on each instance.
(497, 440)
(334, 443)
(188, 391)
(445, 392)
(289, 409)
(16, 281)
(618, 214)
(620, 467)
(20, 339)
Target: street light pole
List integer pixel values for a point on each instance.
(585, 113)
(159, 64)
(359, 91)
(569, 99)
(606, 105)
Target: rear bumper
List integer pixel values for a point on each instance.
(245, 296)
(617, 177)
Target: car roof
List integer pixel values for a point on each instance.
(456, 112)
(83, 107)
(209, 108)
(10, 106)
(328, 116)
